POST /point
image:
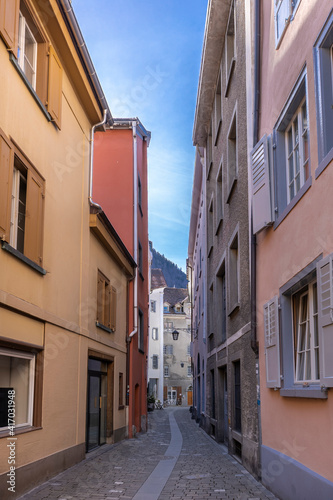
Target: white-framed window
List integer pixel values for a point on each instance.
(284, 12)
(153, 306)
(17, 372)
(154, 333)
(18, 208)
(189, 371)
(155, 362)
(27, 51)
(166, 308)
(189, 349)
(168, 349)
(297, 151)
(305, 308)
(166, 371)
(168, 326)
(323, 59)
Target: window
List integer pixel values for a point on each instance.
(153, 306)
(121, 390)
(140, 195)
(155, 362)
(189, 350)
(166, 371)
(106, 304)
(323, 58)
(189, 371)
(168, 350)
(210, 228)
(141, 332)
(233, 274)
(168, 326)
(33, 56)
(217, 109)
(20, 371)
(154, 334)
(222, 298)
(284, 11)
(305, 347)
(291, 159)
(230, 45)
(140, 262)
(212, 394)
(232, 155)
(209, 151)
(21, 191)
(297, 151)
(305, 323)
(219, 199)
(166, 308)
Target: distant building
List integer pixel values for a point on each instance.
(157, 279)
(178, 382)
(120, 187)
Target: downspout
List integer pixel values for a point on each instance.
(257, 35)
(135, 230)
(91, 160)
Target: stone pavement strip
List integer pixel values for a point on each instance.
(174, 460)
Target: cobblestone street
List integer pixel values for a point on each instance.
(174, 460)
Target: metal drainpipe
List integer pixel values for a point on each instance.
(135, 229)
(257, 35)
(91, 162)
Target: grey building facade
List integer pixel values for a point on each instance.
(230, 412)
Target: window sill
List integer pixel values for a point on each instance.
(14, 61)
(232, 188)
(324, 163)
(312, 391)
(103, 327)
(293, 202)
(19, 430)
(231, 70)
(8, 248)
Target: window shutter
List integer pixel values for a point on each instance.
(261, 185)
(6, 180)
(325, 319)
(113, 309)
(282, 18)
(34, 220)
(9, 23)
(54, 98)
(100, 292)
(272, 343)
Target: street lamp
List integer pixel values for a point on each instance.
(175, 335)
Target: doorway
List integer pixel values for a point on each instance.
(96, 404)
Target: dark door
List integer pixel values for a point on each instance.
(96, 404)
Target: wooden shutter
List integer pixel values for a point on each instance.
(325, 319)
(6, 181)
(9, 23)
(34, 220)
(54, 98)
(113, 297)
(261, 185)
(282, 18)
(272, 343)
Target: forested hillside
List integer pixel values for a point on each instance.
(174, 276)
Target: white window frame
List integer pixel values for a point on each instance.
(299, 141)
(166, 371)
(155, 362)
(308, 348)
(153, 306)
(18, 177)
(31, 388)
(189, 370)
(154, 333)
(24, 32)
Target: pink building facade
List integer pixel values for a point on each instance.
(291, 168)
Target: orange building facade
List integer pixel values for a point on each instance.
(120, 187)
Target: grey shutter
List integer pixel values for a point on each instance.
(261, 185)
(325, 319)
(272, 343)
(282, 17)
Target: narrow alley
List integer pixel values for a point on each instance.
(174, 460)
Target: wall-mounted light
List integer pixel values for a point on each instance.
(175, 335)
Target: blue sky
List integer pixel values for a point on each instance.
(147, 56)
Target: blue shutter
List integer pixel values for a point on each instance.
(272, 343)
(325, 319)
(282, 17)
(262, 193)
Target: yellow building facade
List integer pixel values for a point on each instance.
(62, 329)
